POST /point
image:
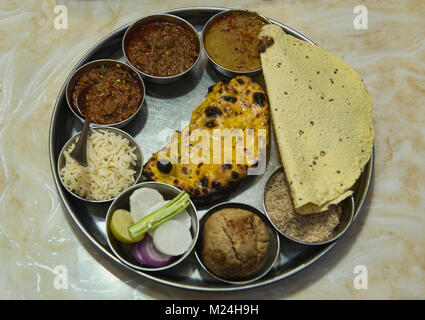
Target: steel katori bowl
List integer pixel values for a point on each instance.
(229, 72)
(138, 167)
(73, 80)
(123, 250)
(347, 216)
(273, 248)
(134, 29)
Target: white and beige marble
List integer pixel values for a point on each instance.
(36, 234)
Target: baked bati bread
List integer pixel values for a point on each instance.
(238, 104)
(234, 243)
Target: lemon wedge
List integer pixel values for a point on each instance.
(120, 221)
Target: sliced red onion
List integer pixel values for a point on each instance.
(137, 253)
(145, 253)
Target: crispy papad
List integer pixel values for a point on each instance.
(322, 117)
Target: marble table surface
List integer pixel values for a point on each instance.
(38, 240)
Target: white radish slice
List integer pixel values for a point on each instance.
(158, 205)
(184, 218)
(172, 238)
(154, 208)
(141, 200)
(146, 254)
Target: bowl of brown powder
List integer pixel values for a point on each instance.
(310, 229)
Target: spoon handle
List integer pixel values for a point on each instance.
(79, 153)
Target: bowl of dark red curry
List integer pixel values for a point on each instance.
(112, 93)
(162, 47)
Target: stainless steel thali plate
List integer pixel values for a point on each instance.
(171, 107)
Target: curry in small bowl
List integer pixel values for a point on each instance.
(230, 40)
(108, 92)
(162, 47)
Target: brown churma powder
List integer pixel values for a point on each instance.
(316, 227)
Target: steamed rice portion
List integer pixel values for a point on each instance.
(111, 161)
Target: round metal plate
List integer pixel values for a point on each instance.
(179, 100)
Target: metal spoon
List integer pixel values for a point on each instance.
(79, 153)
